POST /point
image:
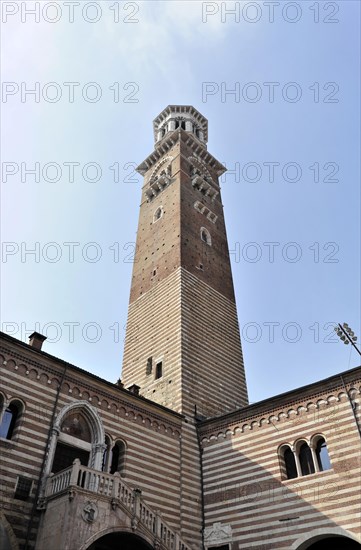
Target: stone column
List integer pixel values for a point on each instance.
(52, 446)
(97, 455)
(75, 472)
(314, 457)
(298, 465)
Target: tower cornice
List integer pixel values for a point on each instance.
(169, 141)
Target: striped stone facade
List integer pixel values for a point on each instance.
(151, 433)
(245, 481)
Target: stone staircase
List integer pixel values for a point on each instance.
(119, 493)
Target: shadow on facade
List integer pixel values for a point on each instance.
(261, 512)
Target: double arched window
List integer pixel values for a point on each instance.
(10, 418)
(302, 459)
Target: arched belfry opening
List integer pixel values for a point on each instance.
(115, 541)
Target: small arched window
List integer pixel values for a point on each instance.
(323, 459)
(289, 463)
(107, 454)
(206, 236)
(9, 420)
(158, 214)
(118, 458)
(306, 461)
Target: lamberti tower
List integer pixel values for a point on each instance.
(182, 342)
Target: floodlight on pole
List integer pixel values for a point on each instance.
(347, 335)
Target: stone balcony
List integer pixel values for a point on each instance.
(86, 496)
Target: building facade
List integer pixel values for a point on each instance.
(173, 456)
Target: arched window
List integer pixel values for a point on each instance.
(323, 459)
(10, 419)
(180, 124)
(206, 236)
(158, 214)
(77, 433)
(306, 461)
(118, 458)
(289, 463)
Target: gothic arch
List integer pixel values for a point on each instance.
(305, 541)
(90, 413)
(96, 429)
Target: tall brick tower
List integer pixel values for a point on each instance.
(182, 342)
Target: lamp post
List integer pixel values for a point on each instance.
(347, 335)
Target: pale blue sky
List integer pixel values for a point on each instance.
(169, 54)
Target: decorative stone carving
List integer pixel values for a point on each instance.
(218, 533)
(90, 512)
(135, 522)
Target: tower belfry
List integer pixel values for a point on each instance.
(182, 343)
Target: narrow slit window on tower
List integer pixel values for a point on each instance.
(159, 370)
(149, 365)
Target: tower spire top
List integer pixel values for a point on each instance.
(185, 117)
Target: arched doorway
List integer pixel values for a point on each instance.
(77, 433)
(120, 541)
(337, 543)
